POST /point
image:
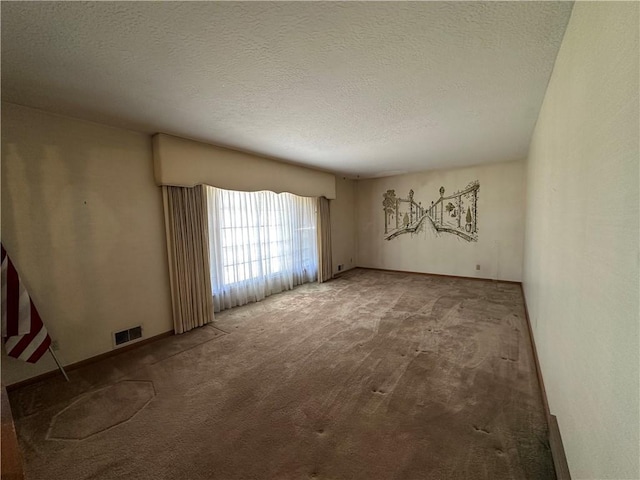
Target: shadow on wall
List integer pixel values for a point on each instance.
(48, 222)
(63, 225)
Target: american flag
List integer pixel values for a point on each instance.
(25, 335)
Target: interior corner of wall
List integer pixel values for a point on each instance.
(332, 197)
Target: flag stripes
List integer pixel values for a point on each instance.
(17, 311)
(26, 336)
(32, 346)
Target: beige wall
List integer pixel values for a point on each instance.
(343, 225)
(499, 248)
(581, 264)
(82, 221)
(182, 162)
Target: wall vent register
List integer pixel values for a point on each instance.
(126, 336)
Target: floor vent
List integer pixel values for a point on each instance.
(127, 336)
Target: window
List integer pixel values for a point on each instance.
(260, 243)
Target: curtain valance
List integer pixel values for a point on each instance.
(186, 163)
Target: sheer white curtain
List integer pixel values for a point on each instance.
(260, 243)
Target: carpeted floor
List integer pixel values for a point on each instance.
(374, 375)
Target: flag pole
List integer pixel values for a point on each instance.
(58, 363)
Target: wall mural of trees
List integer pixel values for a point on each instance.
(456, 213)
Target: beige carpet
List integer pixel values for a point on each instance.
(374, 375)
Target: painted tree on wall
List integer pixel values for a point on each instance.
(390, 205)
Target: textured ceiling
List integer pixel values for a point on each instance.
(363, 89)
